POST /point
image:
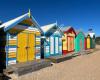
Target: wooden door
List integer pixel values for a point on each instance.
(22, 51)
(69, 45)
(31, 46)
(72, 43)
(56, 44)
(81, 45)
(88, 43)
(52, 45)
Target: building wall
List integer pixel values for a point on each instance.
(79, 42)
(65, 42)
(88, 42)
(68, 42)
(92, 43)
(53, 45)
(12, 43)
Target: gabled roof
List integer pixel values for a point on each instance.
(78, 32)
(91, 34)
(46, 28)
(67, 29)
(50, 29)
(10, 24)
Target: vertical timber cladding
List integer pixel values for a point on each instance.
(70, 43)
(55, 44)
(31, 45)
(85, 43)
(88, 42)
(23, 46)
(47, 48)
(68, 40)
(51, 45)
(80, 42)
(64, 42)
(26, 49)
(60, 45)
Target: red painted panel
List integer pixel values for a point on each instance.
(85, 44)
(70, 30)
(65, 52)
(70, 51)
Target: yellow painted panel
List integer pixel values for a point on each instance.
(38, 33)
(88, 42)
(31, 45)
(69, 46)
(12, 55)
(72, 43)
(22, 51)
(38, 43)
(64, 48)
(31, 32)
(64, 45)
(64, 42)
(12, 42)
(73, 33)
(25, 31)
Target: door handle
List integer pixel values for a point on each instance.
(27, 47)
(17, 47)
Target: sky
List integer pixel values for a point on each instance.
(80, 14)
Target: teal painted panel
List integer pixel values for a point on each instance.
(60, 46)
(92, 43)
(47, 48)
(79, 42)
(53, 46)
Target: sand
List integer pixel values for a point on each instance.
(84, 67)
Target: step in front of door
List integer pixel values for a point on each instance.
(27, 67)
(61, 58)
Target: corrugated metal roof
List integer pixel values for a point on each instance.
(91, 34)
(65, 28)
(10, 24)
(78, 31)
(46, 28)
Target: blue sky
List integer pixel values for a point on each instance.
(81, 14)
